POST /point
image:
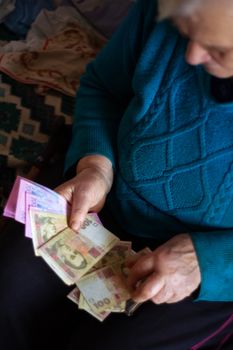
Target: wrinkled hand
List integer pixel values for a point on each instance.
(168, 274)
(88, 189)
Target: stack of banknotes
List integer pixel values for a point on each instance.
(93, 258)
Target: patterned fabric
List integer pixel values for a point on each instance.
(26, 122)
(58, 47)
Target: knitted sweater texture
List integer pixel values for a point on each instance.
(171, 143)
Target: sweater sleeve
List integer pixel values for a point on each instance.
(215, 255)
(105, 90)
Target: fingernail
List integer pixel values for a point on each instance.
(75, 225)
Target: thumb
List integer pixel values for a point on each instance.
(78, 201)
(66, 190)
(79, 210)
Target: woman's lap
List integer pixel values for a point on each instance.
(35, 312)
(31, 295)
(156, 327)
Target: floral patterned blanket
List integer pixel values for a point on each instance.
(55, 53)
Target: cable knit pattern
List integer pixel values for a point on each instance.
(222, 199)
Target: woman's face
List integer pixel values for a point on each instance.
(210, 34)
(74, 257)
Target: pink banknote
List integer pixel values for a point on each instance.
(10, 207)
(26, 193)
(37, 190)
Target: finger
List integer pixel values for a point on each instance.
(149, 288)
(131, 260)
(176, 298)
(142, 268)
(65, 190)
(163, 295)
(79, 210)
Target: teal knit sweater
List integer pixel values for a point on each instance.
(171, 144)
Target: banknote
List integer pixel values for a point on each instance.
(10, 206)
(83, 305)
(116, 258)
(41, 204)
(107, 288)
(97, 234)
(44, 226)
(119, 252)
(71, 254)
(93, 257)
(26, 186)
(74, 295)
(78, 299)
(120, 267)
(104, 290)
(26, 193)
(17, 196)
(118, 261)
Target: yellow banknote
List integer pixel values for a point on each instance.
(103, 289)
(44, 226)
(71, 255)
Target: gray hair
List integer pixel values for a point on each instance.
(169, 8)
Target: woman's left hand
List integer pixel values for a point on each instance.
(168, 274)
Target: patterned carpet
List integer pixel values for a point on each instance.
(27, 121)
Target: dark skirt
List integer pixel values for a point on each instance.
(35, 313)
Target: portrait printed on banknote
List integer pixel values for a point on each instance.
(69, 255)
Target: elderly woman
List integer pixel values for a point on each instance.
(153, 133)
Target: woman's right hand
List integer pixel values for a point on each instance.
(87, 191)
